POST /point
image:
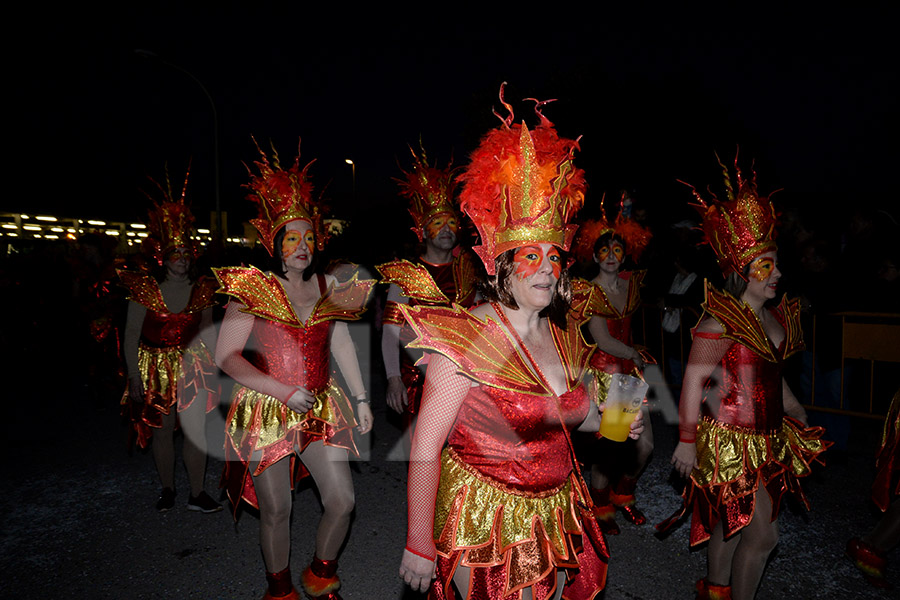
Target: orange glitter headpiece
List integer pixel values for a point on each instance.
(740, 228)
(521, 187)
(429, 190)
(635, 235)
(282, 195)
(169, 221)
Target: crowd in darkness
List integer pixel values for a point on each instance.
(65, 308)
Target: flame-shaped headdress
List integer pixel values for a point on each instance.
(522, 188)
(740, 228)
(429, 190)
(169, 221)
(282, 195)
(635, 235)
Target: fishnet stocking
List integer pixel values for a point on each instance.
(193, 426)
(273, 492)
(707, 351)
(445, 390)
(163, 447)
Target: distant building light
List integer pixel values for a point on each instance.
(37, 235)
(31, 227)
(130, 233)
(57, 229)
(9, 226)
(137, 226)
(24, 216)
(12, 234)
(70, 230)
(70, 236)
(51, 219)
(142, 234)
(203, 231)
(51, 236)
(112, 232)
(97, 223)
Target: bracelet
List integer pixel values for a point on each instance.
(364, 400)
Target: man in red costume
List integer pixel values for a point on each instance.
(442, 275)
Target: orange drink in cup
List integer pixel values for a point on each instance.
(623, 401)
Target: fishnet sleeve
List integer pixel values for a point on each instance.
(390, 334)
(706, 354)
(344, 351)
(445, 390)
(233, 334)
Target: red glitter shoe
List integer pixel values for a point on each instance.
(280, 586)
(623, 499)
(320, 580)
(870, 561)
(707, 591)
(604, 511)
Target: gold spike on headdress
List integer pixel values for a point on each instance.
(429, 190)
(169, 221)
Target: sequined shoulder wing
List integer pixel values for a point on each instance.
(261, 292)
(464, 275)
(739, 321)
(343, 301)
(203, 295)
(481, 349)
(574, 351)
(788, 314)
(143, 289)
(581, 300)
(413, 280)
(635, 283)
(599, 305)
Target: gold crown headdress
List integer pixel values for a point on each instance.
(635, 235)
(429, 190)
(169, 221)
(521, 187)
(281, 196)
(740, 228)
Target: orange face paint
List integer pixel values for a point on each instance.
(528, 260)
(290, 243)
(310, 238)
(436, 224)
(762, 268)
(617, 250)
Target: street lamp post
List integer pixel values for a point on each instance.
(153, 56)
(353, 167)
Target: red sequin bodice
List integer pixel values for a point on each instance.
(619, 328)
(168, 330)
(516, 438)
(749, 391)
(289, 354)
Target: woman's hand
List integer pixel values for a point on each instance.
(637, 359)
(685, 458)
(637, 426)
(301, 400)
(396, 394)
(136, 389)
(365, 418)
(416, 571)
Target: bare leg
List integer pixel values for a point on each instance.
(643, 447)
(720, 555)
(164, 450)
(330, 470)
(758, 539)
(193, 425)
(273, 491)
(886, 534)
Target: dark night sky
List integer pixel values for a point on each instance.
(810, 95)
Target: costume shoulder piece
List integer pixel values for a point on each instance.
(481, 349)
(601, 306)
(203, 295)
(414, 281)
(343, 301)
(573, 350)
(788, 313)
(464, 275)
(581, 300)
(739, 322)
(261, 292)
(143, 289)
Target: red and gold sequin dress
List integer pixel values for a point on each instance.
(749, 442)
(603, 365)
(175, 364)
(293, 352)
(425, 284)
(506, 500)
(886, 487)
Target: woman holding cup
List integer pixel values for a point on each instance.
(501, 511)
(744, 441)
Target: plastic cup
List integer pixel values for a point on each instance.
(623, 402)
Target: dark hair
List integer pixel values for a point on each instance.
(607, 239)
(736, 283)
(496, 288)
(276, 264)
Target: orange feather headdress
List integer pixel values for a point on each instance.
(635, 235)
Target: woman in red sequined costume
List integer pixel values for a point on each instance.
(494, 513)
(168, 334)
(288, 418)
(614, 298)
(744, 441)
